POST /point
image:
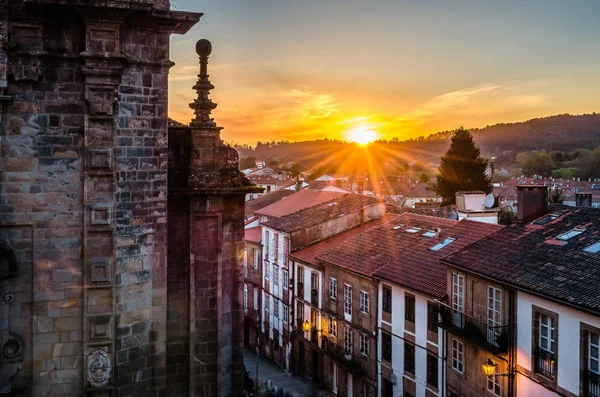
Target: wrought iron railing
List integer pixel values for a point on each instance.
(314, 297)
(354, 364)
(491, 338)
(545, 363)
(593, 384)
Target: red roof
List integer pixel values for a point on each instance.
(253, 235)
(298, 201)
(309, 255)
(378, 249)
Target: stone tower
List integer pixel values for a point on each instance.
(83, 196)
(205, 251)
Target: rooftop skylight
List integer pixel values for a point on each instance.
(593, 249)
(547, 219)
(571, 233)
(397, 227)
(447, 241)
(413, 229)
(429, 233)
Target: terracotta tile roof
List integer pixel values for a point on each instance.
(406, 258)
(265, 200)
(297, 201)
(531, 258)
(285, 183)
(253, 235)
(263, 179)
(343, 204)
(447, 212)
(309, 255)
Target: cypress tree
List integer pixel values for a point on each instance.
(462, 168)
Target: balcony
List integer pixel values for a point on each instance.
(593, 384)
(354, 364)
(314, 297)
(545, 363)
(493, 339)
(300, 288)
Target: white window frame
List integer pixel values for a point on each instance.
(493, 383)
(332, 326)
(458, 356)
(364, 344)
(276, 247)
(285, 282)
(347, 300)
(347, 339)
(286, 315)
(275, 308)
(458, 292)
(267, 271)
(267, 243)
(255, 298)
(245, 296)
(364, 302)
(548, 327)
(267, 303)
(332, 288)
(594, 352)
(494, 306)
(275, 274)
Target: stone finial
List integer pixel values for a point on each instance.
(203, 105)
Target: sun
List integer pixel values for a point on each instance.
(362, 134)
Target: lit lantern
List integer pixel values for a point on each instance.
(306, 326)
(489, 367)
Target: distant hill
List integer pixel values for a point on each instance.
(561, 132)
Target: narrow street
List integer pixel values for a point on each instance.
(278, 376)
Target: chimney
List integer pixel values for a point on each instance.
(583, 199)
(298, 185)
(532, 201)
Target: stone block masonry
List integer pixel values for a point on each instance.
(83, 196)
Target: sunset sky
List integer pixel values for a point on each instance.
(299, 70)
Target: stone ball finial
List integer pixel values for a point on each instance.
(203, 48)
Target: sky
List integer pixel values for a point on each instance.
(310, 69)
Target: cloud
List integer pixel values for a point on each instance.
(451, 100)
(311, 104)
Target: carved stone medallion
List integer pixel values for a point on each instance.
(99, 367)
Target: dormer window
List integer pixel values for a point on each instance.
(571, 233)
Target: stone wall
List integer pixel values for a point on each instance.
(83, 189)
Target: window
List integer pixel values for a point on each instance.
(432, 317)
(458, 292)
(275, 274)
(413, 229)
(250, 258)
(286, 250)
(547, 219)
(593, 249)
(255, 298)
(276, 308)
(332, 288)
(332, 326)
(267, 244)
(267, 271)
(544, 335)
(571, 233)
(493, 383)
(409, 312)
(386, 346)
(285, 279)
(458, 352)
(364, 344)
(267, 303)
(387, 300)
(276, 247)
(300, 277)
(409, 358)
(347, 339)
(364, 302)
(286, 315)
(300, 312)
(314, 281)
(347, 299)
(432, 370)
(594, 353)
(255, 260)
(444, 243)
(245, 296)
(494, 307)
(429, 233)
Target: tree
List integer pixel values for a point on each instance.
(247, 162)
(462, 168)
(556, 196)
(424, 178)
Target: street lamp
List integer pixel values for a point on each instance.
(306, 326)
(489, 369)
